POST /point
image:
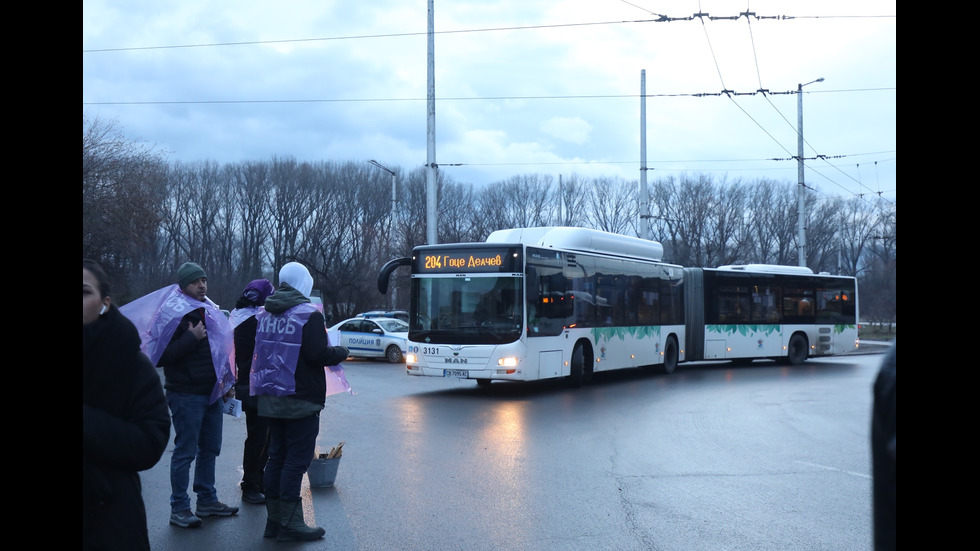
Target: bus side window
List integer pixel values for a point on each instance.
(733, 305)
(772, 315)
(789, 308)
(797, 305)
(546, 304)
(764, 302)
(830, 306)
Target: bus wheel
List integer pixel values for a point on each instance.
(797, 350)
(393, 354)
(670, 355)
(577, 368)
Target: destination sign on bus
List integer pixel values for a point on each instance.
(494, 260)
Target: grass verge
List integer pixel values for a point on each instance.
(869, 333)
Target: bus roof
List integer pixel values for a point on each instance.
(581, 239)
(768, 268)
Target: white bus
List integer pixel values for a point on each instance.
(549, 302)
(753, 311)
(539, 303)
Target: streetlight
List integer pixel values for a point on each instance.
(393, 204)
(799, 143)
(389, 171)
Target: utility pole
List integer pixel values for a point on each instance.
(561, 199)
(644, 194)
(840, 247)
(431, 214)
(802, 186)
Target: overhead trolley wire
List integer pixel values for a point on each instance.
(659, 19)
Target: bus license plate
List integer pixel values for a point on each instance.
(459, 373)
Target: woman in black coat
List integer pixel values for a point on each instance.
(125, 421)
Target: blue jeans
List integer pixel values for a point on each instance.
(292, 443)
(197, 438)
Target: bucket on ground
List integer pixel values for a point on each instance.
(323, 472)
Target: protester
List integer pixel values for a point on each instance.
(883, 454)
(256, 450)
(125, 422)
(184, 332)
(290, 382)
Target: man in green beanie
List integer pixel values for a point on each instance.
(190, 272)
(195, 387)
(185, 332)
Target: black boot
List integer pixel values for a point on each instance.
(252, 495)
(272, 522)
(292, 527)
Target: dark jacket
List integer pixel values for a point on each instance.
(186, 362)
(883, 454)
(125, 429)
(314, 354)
(244, 349)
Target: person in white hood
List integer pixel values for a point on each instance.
(288, 379)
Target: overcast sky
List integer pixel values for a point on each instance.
(528, 86)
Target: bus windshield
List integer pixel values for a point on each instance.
(477, 309)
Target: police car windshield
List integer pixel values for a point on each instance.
(393, 325)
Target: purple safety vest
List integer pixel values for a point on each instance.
(278, 338)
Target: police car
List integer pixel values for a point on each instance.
(374, 338)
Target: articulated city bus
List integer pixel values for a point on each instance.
(753, 311)
(550, 302)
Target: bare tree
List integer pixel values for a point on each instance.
(529, 200)
(727, 239)
(456, 221)
(613, 205)
(123, 184)
(572, 201)
(491, 212)
(859, 222)
(519, 202)
(822, 225)
(333, 234)
(410, 227)
(879, 269)
(291, 204)
(344, 241)
(198, 226)
(693, 219)
(252, 193)
(771, 217)
(664, 221)
(176, 235)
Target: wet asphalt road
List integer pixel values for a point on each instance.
(712, 457)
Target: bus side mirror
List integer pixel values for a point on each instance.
(386, 270)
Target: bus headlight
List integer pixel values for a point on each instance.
(509, 361)
(411, 358)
